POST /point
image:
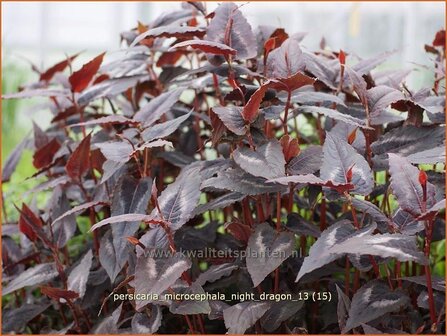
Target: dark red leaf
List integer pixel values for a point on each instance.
(169, 58)
(439, 40)
(47, 75)
(57, 294)
(239, 230)
(44, 155)
(280, 35)
(80, 79)
(28, 222)
(101, 78)
(292, 83)
(79, 161)
(72, 110)
(290, 147)
(269, 45)
(40, 137)
(251, 109)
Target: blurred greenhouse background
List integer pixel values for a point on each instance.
(42, 33)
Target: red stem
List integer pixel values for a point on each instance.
(286, 112)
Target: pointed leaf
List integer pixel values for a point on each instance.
(80, 79)
(266, 251)
(14, 320)
(190, 307)
(308, 161)
(406, 186)
(79, 161)
(109, 120)
(77, 280)
(338, 158)
(45, 155)
(219, 202)
(29, 223)
(312, 97)
(58, 67)
(13, 159)
(206, 46)
(334, 114)
(178, 201)
(342, 238)
(380, 97)
(183, 32)
(122, 219)
(215, 273)
(372, 301)
(231, 116)
(237, 180)
(314, 180)
(58, 294)
(158, 106)
(33, 276)
(130, 197)
(116, 151)
(286, 60)
(164, 129)
(80, 207)
(267, 161)
(230, 27)
(343, 306)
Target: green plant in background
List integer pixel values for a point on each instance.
(15, 126)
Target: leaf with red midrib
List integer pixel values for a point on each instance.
(80, 79)
(79, 161)
(28, 221)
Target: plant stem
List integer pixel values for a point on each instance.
(347, 276)
(286, 112)
(431, 301)
(278, 229)
(428, 237)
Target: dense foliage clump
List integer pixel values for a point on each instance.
(217, 178)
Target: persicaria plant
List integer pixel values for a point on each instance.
(311, 183)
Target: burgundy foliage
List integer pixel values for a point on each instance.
(209, 134)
